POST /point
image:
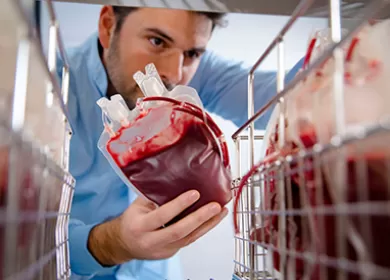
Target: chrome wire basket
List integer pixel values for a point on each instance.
(36, 187)
(321, 211)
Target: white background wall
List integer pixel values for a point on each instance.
(245, 38)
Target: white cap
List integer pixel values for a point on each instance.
(150, 83)
(115, 109)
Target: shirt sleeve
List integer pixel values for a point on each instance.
(223, 88)
(82, 262)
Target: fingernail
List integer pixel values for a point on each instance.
(225, 212)
(193, 196)
(215, 208)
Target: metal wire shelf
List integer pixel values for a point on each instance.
(34, 233)
(319, 157)
(314, 213)
(36, 188)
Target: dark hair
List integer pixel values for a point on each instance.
(122, 12)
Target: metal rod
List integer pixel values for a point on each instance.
(71, 184)
(363, 187)
(291, 264)
(320, 200)
(245, 250)
(55, 41)
(372, 8)
(52, 54)
(54, 23)
(251, 155)
(354, 208)
(59, 231)
(280, 87)
(43, 200)
(281, 142)
(300, 10)
(29, 272)
(51, 61)
(372, 270)
(338, 99)
(251, 191)
(32, 36)
(263, 217)
(20, 89)
(237, 142)
(14, 178)
(251, 247)
(238, 250)
(338, 75)
(68, 131)
(349, 138)
(65, 84)
(246, 137)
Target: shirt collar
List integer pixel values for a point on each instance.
(96, 68)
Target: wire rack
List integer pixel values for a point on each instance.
(36, 189)
(310, 234)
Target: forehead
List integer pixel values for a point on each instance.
(184, 27)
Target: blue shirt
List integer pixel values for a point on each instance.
(100, 194)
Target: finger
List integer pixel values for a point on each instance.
(162, 215)
(188, 224)
(202, 230)
(144, 204)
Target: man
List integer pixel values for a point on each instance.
(113, 234)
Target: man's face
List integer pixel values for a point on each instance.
(173, 40)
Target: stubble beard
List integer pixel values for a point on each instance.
(121, 84)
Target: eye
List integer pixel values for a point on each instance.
(157, 42)
(192, 54)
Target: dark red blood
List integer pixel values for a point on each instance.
(320, 236)
(176, 154)
(28, 200)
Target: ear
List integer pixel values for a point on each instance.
(106, 25)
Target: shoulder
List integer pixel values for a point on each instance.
(214, 68)
(82, 65)
(79, 66)
(76, 57)
(211, 60)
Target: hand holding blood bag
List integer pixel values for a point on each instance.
(167, 145)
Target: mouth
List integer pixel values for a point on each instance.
(169, 87)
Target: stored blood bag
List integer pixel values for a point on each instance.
(367, 104)
(310, 118)
(166, 145)
(27, 198)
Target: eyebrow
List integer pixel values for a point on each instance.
(198, 50)
(170, 39)
(161, 33)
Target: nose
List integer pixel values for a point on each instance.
(170, 68)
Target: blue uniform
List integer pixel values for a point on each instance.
(100, 194)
